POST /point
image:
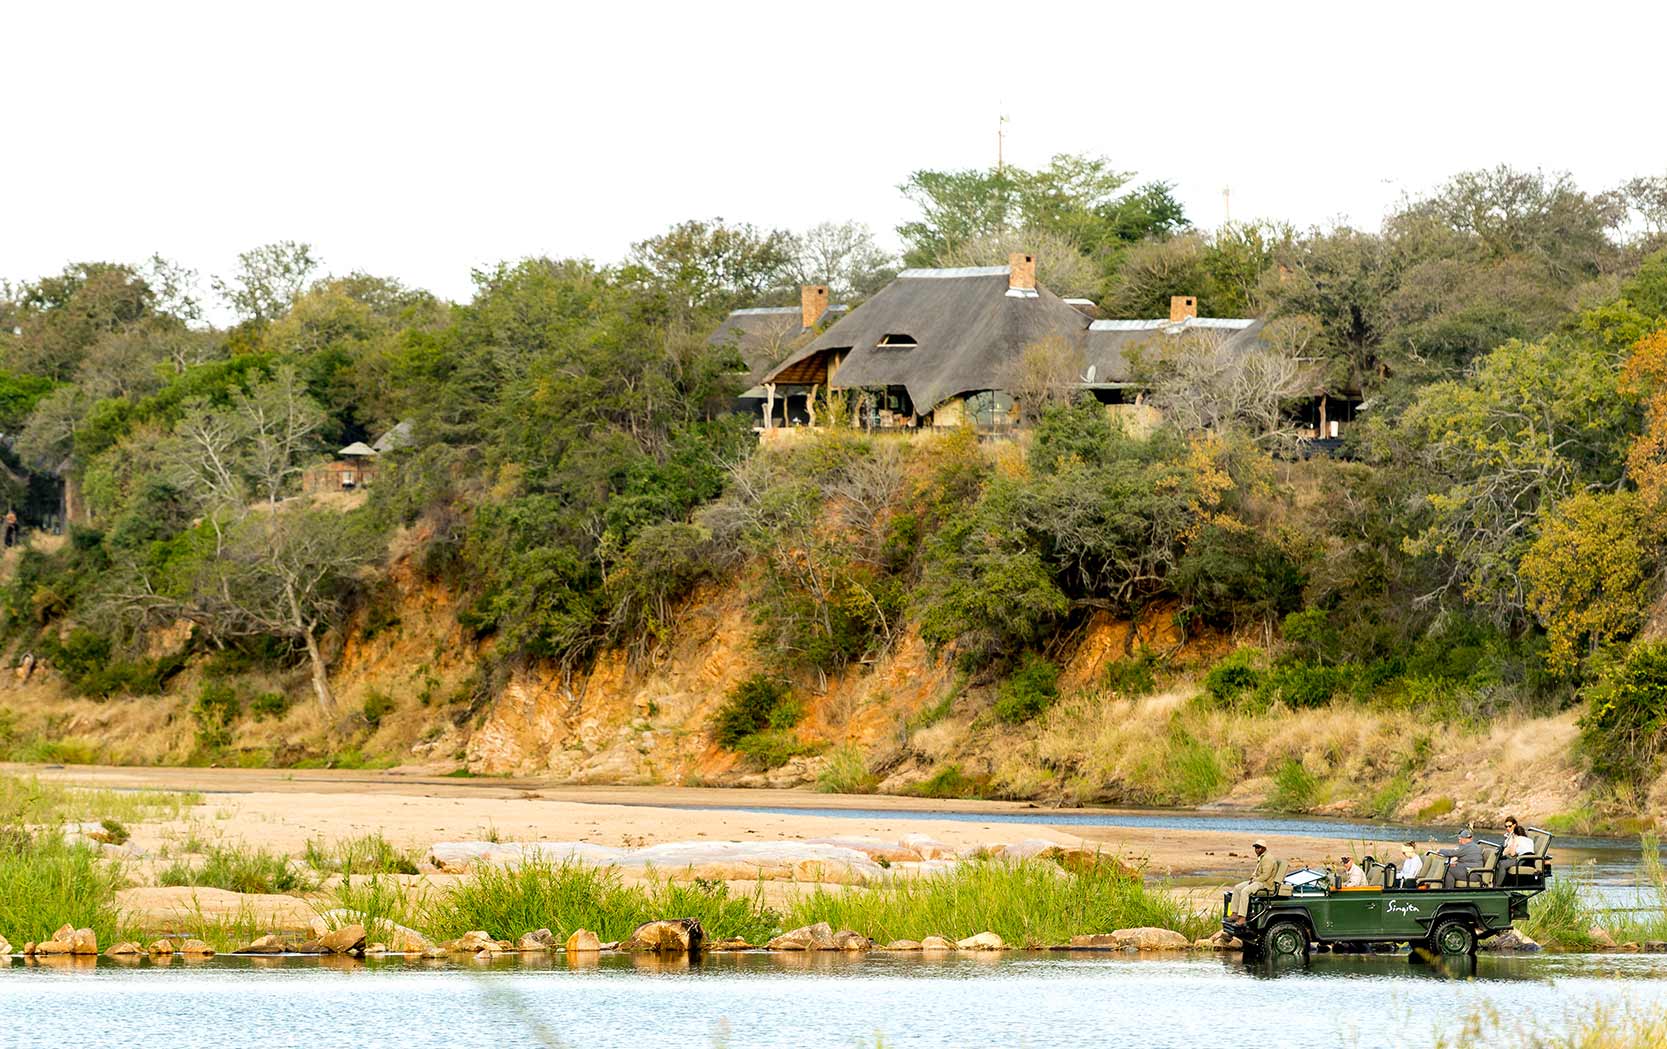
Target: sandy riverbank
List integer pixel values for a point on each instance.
(283, 809)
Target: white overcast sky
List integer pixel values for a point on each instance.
(421, 140)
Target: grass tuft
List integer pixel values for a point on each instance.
(367, 854)
(46, 881)
(562, 897)
(1032, 903)
(239, 870)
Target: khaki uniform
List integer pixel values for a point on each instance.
(1261, 880)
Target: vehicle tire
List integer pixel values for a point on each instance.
(1453, 936)
(1287, 939)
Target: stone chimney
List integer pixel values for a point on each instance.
(1181, 307)
(1023, 275)
(813, 302)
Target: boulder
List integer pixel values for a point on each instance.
(1148, 938)
(344, 940)
(733, 943)
(52, 947)
(850, 940)
(196, 949)
(472, 942)
(818, 937)
(161, 947)
(5, 946)
(29, 949)
(435, 952)
(1224, 941)
(936, 943)
(308, 947)
(674, 936)
(83, 941)
(984, 941)
(406, 941)
(65, 933)
(1650, 946)
(267, 944)
(1511, 940)
(583, 941)
(125, 949)
(540, 940)
(903, 945)
(1600, 938)
(376, 948)
(1145, 938)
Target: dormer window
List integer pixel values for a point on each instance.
(895, 341)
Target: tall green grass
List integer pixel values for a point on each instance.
(46, 882)
(239, 870)
(562, 897)
(380, 901)
(1561, 916)
(1033, 903)
(26, 800)
(366, 854)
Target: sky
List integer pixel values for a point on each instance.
(422, 141)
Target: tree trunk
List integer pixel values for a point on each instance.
(321, 680)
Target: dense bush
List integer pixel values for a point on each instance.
(1625, 724)
(1234, 676)
(758, 703)
(1027, 691)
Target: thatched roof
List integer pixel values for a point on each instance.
(764, 335)
(965, 326)
(357, 449)
(399, 436)
(1110, 344)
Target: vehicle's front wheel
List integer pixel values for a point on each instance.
(1453, 936)
(1286, 939)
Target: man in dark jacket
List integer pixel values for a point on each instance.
(1461, 860)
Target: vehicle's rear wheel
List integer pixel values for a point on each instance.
(1286, 938)
(1453, 936)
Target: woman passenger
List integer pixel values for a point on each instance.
(1410, 866)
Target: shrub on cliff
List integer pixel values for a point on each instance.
(760, 702)
(1625, 724)
(1028, 691)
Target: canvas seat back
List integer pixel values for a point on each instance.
(1433, 871)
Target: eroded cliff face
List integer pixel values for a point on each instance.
(646, 720)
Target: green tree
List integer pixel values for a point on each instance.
(268, 279)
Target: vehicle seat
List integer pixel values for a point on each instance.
(1279, 886)
(1434, 871)
(1533, 865)
(1482, 877)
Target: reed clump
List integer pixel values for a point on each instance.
(1031, 903)
(239, 869)
(46, 881)
(565, 896)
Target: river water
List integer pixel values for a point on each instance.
(751, 1000)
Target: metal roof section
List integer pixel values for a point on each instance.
(952, 272)
(758, 311)
(1173, 327)
(1022, 293)
(357, 448)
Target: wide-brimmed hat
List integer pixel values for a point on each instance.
(1258, 844)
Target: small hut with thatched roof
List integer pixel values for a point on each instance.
(354, 467)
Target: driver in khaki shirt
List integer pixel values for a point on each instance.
(1261, 880)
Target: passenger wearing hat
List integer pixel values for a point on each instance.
(1350, 875)
(1410, 865)
(1461, 860)
(1261, 880)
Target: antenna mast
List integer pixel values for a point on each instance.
(1226, 205)
(1001, 141)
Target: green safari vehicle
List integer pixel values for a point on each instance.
(1309, 909)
